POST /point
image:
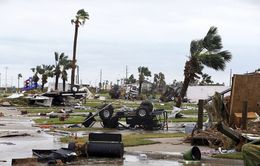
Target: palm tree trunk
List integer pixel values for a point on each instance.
(140, 87)
(18, 84)
(184, 88)
(74, 53)
(56, 82)
(63, 84)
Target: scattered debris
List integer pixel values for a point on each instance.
(41, 100)
(176, 113)
(51, 156)
(15, 96)
(192, 154)
(13, 134)
(216, 110)
(24, 162)
(7, 143)
(24, 112)
(99, 145)
(6, 104)
(170, 93)
(142, 156)
(210, 137)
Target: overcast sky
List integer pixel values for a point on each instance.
(152, 33)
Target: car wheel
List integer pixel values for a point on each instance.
(142, 112)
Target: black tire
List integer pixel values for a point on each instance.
(106, 113)
(147, 105)
(109, 137)
(75, 88)
(111, 123)
(72, 146)
(142, 112)
(105, 149)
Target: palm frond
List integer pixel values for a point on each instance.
(56, 56)
(82, 15)
(212, 41)
(214, 61)
(226, 55)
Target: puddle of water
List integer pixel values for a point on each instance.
(22, 146)
(129, 160)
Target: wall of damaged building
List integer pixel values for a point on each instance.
(245, 88)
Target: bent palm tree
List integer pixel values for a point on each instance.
(79, 20)
(206, 51)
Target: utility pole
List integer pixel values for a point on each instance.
(126, 74)
(100, 81)
(0, 79)
(6, 79)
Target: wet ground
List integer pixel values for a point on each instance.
(24, 138)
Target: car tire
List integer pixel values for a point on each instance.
(106, 113)
(142, 112)
(75, 88)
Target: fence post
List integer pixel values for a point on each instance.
(200, 114)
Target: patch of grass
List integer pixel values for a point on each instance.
(190, 112)
(166, 106)
(80, 140)
(54, 121)
(93, 104)
(143, 139)
(189, 105)
(185, 119)
(236, 155)
(39, 110)
(135, 139)
(86, 129)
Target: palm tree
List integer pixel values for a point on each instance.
(66, 64)
(19, 76)
(35, 77)
(57, 70)
(206, 51)
(79, 20)
(143, 72)
(161, 82)
(131, 79)
(155, 82)
(46, 71)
